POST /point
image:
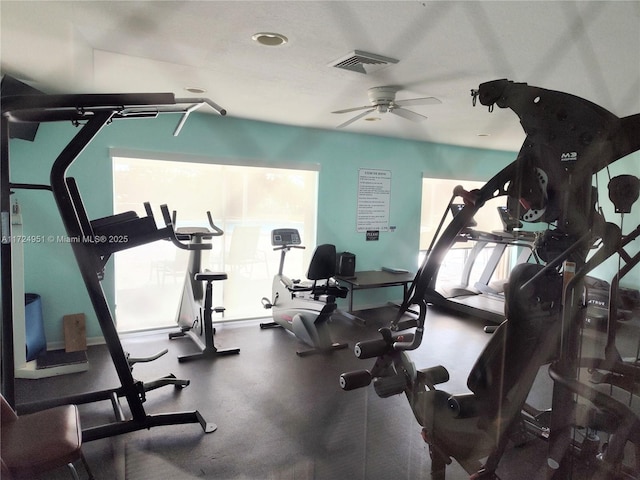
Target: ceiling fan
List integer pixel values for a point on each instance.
(383, 100)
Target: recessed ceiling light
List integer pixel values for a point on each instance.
(269, 39)
(197, 90)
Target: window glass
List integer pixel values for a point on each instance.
(246, 202)
(436, 195)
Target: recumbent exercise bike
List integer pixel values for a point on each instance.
(305, 309)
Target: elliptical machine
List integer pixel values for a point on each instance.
(305, 308)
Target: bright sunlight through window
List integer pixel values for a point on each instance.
(436, 194)
(247, 202)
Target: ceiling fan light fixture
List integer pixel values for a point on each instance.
(383, 100)
(269, 39)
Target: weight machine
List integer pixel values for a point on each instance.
(97, 240)
(569, 140)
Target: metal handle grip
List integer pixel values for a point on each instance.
(217, 231)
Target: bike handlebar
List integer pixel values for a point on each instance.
(217, 231)
(288, 247)
(170, 223)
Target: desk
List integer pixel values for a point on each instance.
(376, 279)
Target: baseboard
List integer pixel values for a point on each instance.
(30, 371)
(90, 341)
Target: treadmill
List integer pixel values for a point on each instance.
(484, 297)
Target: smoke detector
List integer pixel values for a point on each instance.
(362, 62)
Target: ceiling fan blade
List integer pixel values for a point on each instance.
(417, 101)
(354, 109)
(357, 117)
(408, 114)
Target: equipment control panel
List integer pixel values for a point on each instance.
(509, 222)
(285, 236)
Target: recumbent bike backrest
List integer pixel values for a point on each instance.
(323, 267)
(323, 263)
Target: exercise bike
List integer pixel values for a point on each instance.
(305, 309)
(196, 305)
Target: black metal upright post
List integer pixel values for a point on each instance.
(86, 258)
(8, 374)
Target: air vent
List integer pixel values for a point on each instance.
(362, 62)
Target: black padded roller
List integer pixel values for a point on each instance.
(389, 386)
(463, 406)
(434, 375)
(353, 380)
(371, 348)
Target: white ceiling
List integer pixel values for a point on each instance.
(445, 48)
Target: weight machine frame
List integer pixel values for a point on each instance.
(91, 113)
(569, 140)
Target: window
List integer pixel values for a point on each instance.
(436, 194)
(247, 202)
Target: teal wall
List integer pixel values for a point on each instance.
(627, 165)
(50, 268)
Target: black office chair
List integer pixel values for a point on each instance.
(472, 426)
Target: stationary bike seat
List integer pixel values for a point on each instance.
(208, 276)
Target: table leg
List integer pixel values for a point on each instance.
(351, 299)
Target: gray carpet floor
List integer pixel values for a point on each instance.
(279, 416)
